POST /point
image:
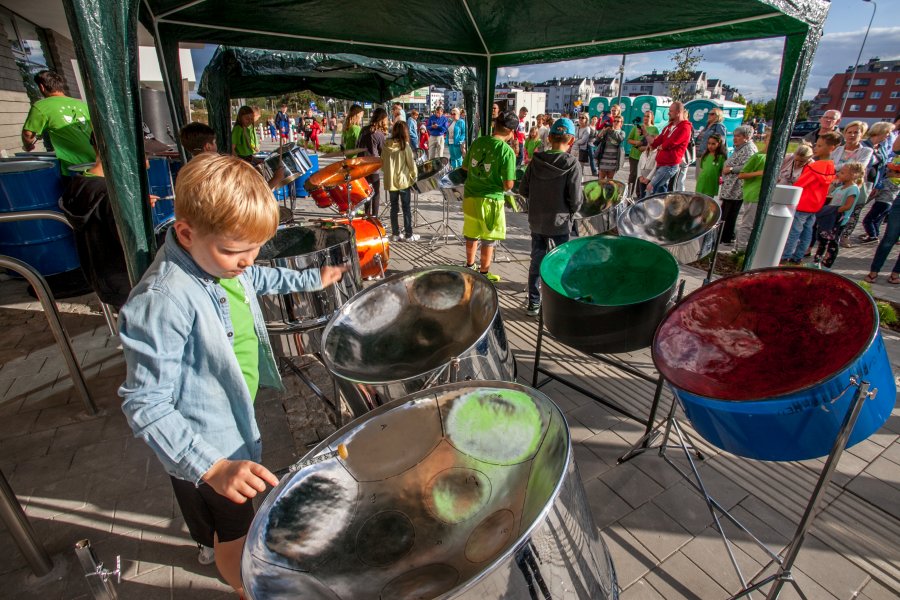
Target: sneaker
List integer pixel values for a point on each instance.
(490, 276)
(472, 266)
(867, 239)
(397, 238)
(414, 237)
(533, 309)
(207, 555)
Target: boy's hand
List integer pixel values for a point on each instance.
(331, 275)
(239, 480)
(644, 180)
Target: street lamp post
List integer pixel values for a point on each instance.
(859, 57)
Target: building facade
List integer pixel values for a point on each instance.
(872, 96)
(660, 84)
(563, 95)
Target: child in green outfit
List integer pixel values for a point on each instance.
(491, 167)
(751, 174)
(711, 164)
(244, 143)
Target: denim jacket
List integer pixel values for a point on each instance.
(184, 393)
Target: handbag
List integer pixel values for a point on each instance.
(583, 155)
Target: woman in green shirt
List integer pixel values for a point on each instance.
(244, 143)
(352, 127)
(637, 141)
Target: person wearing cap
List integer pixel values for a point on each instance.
(552, 184)
(437, 128)
(491, 167)
(456, 139)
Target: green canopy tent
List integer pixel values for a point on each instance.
(246, 72)
(485, 35)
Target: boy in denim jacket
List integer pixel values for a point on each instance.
(196, 349)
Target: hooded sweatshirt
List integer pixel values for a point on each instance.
(815, 180)
(552, 184)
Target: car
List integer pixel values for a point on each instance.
(803, 127)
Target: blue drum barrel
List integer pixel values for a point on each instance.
(301, 190)
(46, 245)
(159, 176)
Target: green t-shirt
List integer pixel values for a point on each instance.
(531, 144)
(635, 135)
(69, 124)
(710, 171)
(243, 140)
(752, 186)
(246, 344)
(351, 136)
(489, 162)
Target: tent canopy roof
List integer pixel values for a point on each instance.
(468, 32)
(248, 73)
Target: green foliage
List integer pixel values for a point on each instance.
(326, 148)
(866, 286)
(886, 313)
(739, 98)
(686, 61)
(803, 112)
(739, 258)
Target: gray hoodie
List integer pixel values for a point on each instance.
(552, 184)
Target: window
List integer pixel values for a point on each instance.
(860, 82)
(875, 95)
(28, 46)
(895, 94)
(881, 82)
(897, 82)
(871, 107)
(855, 95)
(890, 108)
(853, 108)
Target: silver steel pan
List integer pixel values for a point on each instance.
(463, 491)
(294, 161)
(600, 213)
(295, 321)
(414, 330)
(453, 185)
(684, 223)
(430, 173)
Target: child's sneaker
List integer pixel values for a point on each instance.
(413, 237)
(397, 238)
(490, 276)
(206, 556)
(533, 309)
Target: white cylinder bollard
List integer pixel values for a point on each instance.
(776, 226)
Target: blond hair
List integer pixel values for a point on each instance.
(857, 170)
(804, 150)
(880, 128)
(224, 195)
(717, 113)
(863, 127)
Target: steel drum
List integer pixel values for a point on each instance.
(684, 223)
(761, 362)
(292, 158)
(430, 173)
(413, 330)
(453, 185)
(295, 321)
(467, 490)
(373, 246)
(603, 202)
(606, 294)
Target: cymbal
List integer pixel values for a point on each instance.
(348, 169)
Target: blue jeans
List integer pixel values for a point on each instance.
(891, 235)
(660, 181)
(800, 236)
(592, 159)
(873, 218)
(539, 248)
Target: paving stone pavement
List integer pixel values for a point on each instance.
(81, 476)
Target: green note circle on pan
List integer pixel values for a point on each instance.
(609, 271)
(497, 426)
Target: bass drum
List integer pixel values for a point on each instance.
(294, 321)
(372, 244)
(464, 491)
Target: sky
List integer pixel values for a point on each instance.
(752, 67)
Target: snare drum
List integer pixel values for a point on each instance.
(372, 243)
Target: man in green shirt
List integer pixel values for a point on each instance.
(491, 167)
(66, 119)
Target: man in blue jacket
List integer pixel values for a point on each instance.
(283, 123)
(437, 128)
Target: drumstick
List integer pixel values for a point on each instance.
(340, 452)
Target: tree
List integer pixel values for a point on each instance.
(739, 98)
(803, 111)
(686, 61)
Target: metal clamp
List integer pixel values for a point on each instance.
(104, 574)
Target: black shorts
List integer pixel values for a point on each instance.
(207, 513)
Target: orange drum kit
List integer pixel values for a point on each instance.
(343, 187)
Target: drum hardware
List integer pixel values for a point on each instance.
(333, 405)
(98, 577)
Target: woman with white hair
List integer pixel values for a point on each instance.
(731, 190)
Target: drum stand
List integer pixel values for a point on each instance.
(335, 405)
(783, 573)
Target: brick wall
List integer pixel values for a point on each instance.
(14, 102)
(62, 52)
